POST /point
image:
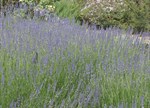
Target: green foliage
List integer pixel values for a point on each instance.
(27, 1)
(41, 2)
(123, 16)
(7, 2)
(139, 13)
(67, 8)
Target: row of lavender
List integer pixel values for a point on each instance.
(60, 64)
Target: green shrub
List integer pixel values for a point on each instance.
(139, 13)
(123, 16)
(41, 2)
(7, 2)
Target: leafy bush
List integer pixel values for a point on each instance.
(40, 2)
(139, 13)
(123, 16)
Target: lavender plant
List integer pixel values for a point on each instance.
(60, 64)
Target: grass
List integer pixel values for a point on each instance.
(68, 9)
(75, 67)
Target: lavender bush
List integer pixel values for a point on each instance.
(60, 64)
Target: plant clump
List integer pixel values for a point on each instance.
(123, 14)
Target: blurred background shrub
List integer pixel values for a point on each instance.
(130, 13)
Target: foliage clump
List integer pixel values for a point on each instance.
(124, 15)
